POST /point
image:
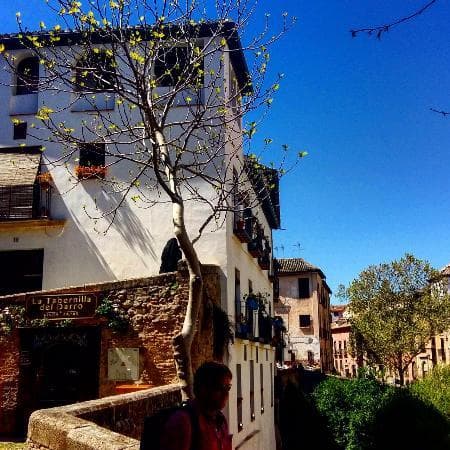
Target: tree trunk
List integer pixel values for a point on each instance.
(182, 342)
(400, 370)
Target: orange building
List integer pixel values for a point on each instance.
(304, 305)
(345, 361)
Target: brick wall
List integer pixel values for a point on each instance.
(154, 308)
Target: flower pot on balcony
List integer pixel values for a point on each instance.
(240, 231)
(44, 179)
(87, 172)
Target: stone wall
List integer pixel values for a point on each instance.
(154, 308)
(104, 424)
(9, 386)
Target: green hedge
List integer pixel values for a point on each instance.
(435, 389)
(365, 414)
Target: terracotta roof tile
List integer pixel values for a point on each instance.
(18, 168)
(294, 265)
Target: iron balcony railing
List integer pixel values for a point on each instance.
(253, 321)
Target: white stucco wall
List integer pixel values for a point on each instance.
(81, 252)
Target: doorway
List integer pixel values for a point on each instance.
(58, 366)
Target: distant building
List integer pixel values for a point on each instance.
(437, 349)
(345, 361)
(304, 306)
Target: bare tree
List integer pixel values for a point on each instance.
(379, 30)
(146, 57)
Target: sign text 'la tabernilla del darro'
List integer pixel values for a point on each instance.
(63, 306)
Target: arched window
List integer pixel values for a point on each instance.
(27, 76)
(95, 73)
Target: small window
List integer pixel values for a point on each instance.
(92, 161)
(92, 155)
(252, 390)
(261, 381)
(172, 65)
(303, 288)
(27, 76)
(239, 398)
(20, 130)
(95, 73)
(304, 320)
(271, 386)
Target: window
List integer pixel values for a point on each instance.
(239, 397)
(172, 64)
(22, 271)
(95, 73)
(261, 380)
(27, 76)
(252, 390)
(20, 130)
(92, 155)
(304, 320)
(303, 288)
(91, 161)
(237, 296)
(271, 384)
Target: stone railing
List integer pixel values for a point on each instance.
(109, 423)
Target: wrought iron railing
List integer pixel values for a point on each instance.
(253, 321)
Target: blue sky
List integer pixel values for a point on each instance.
(376, 182)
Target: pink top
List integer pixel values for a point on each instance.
(213, 432)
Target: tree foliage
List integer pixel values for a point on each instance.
(143, 60)
(364, 414)
(395, 308)
(435, 389)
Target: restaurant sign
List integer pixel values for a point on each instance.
(62, 306)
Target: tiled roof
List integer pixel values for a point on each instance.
(18, 167)
(446, 270)
(294, 265)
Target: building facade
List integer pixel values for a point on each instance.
(345, 361)
(48, 239)
(304, 306)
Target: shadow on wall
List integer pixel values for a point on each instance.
(75, 245)
(126, 222)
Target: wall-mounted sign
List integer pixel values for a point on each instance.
(123, 364)
(282, 309)
(62, 306)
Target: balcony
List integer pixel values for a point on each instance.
(253, 321)
(242, 225)
(26, 206)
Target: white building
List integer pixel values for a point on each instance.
(48, 240)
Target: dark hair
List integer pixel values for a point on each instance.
(210, 374)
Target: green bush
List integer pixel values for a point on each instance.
(435, 389)
(350, 408)
(364, 414)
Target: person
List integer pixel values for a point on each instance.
(204, 427)
(170, 256)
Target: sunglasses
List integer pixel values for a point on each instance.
(223, 387)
